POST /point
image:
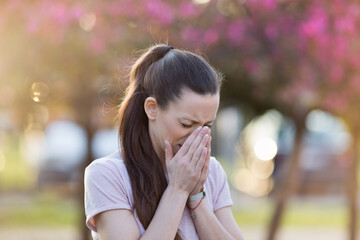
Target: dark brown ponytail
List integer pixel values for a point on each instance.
(160, 72)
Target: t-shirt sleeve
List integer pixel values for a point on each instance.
(105, 189)
(223, 198)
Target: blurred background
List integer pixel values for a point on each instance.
(287, 131)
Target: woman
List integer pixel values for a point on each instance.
(163, 184)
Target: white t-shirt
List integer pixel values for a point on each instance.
(108, 187)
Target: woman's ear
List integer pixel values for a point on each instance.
(150, 106)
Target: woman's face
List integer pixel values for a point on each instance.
(181, 118)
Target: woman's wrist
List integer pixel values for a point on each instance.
(177, 192)
(197, 190)
(197, 196)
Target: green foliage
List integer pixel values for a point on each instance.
(16, 174)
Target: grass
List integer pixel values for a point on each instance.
(46, 209)
(299, 213)
(50, 209)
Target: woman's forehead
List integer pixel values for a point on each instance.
(195, 106)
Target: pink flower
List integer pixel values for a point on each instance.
(336, 74)
(270, 4)
(317, 22)
(267, 5)
(191, 34)
(13, 5)
(160, 11)
(33, 25)
(235, 32)
(272, 31)
(345, 24)
(355, 84)
(211, 37)
(76, 12)
(97, 45)
(355, 61)
(59, 12)
(335, 103)
(339, 48)
(188, 10)
(122, 8)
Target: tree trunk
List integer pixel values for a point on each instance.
(288, 182)
(85, 232)
(352, 187)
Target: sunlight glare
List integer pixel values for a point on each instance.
(262, 169)
(265, 149)
(201, 1)
(39, 91)
(246, 182)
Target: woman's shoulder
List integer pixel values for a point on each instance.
(216, 171)
(214, 164)
(111, 163)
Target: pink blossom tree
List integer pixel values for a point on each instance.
(292, 56)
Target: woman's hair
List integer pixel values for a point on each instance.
(161, 72)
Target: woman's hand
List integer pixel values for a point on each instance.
(205, 170)
(186, 169)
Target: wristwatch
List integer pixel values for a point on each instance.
(197, 196)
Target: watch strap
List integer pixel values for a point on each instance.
(197, 196)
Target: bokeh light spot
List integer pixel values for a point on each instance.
(39, 91)
(245, 181)
(262, 169)
(201, 1)
(87, 21)
(265, 149)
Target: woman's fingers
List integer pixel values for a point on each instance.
(197, 141)
(203, 167)
(202, 160)
(198, 152)
(188, 142)
(208, 146)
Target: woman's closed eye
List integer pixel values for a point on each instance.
(186, 125)
(190, 125)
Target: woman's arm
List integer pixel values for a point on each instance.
(226, 218)
(121, 224)
(218, 225)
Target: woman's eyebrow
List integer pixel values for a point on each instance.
(194, 121)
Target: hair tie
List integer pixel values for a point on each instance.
(167, 49)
